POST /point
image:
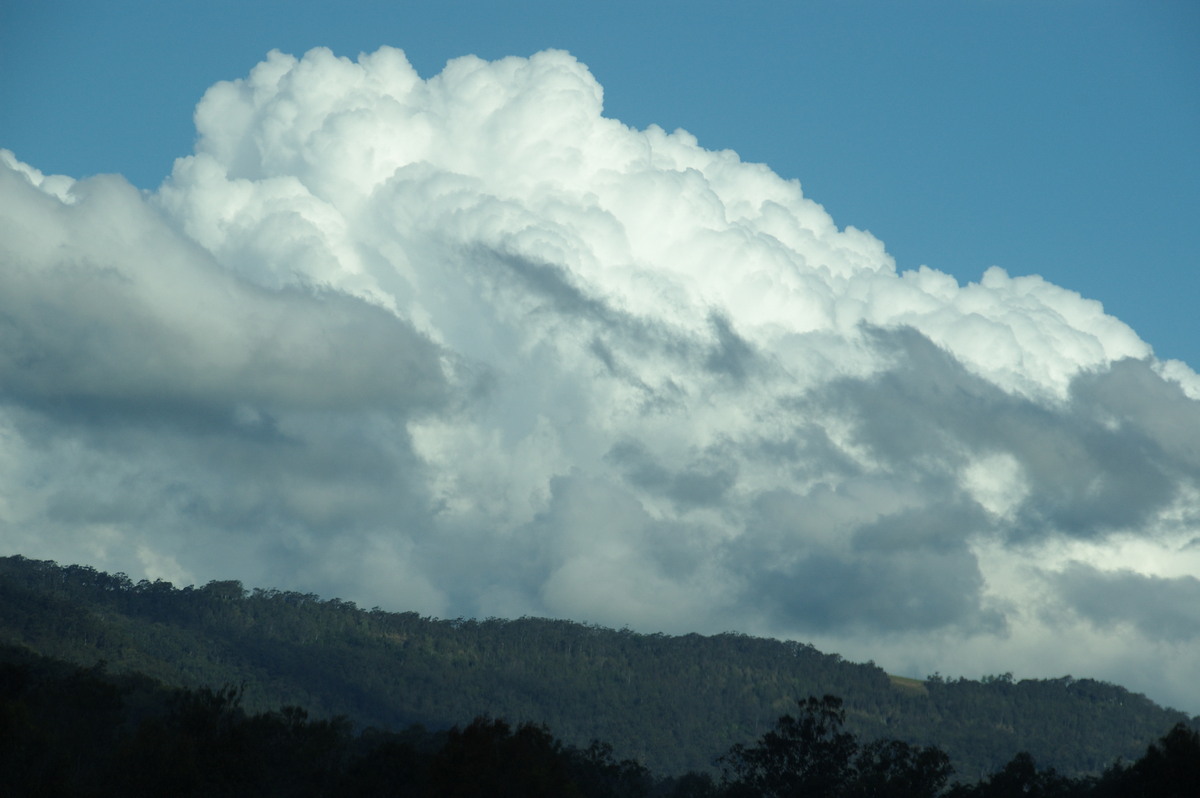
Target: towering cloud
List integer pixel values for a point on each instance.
(464, 345)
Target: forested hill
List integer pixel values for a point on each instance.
(674, 703)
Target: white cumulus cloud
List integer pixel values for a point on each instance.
(464, 345)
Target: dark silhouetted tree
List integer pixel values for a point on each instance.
(810, 755)
(894, 769)
(804, 755)
(1020, 778)
(488, 759)
(1169, 769)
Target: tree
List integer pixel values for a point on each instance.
(1020, 778)
(805, 755)
(1170, 768)
(488, 759)
(810, 755)
(894, 769)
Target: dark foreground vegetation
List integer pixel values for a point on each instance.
(673, 705)
(70, 731)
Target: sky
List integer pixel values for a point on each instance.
(861, 324)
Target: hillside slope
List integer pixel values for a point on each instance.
(672, 702)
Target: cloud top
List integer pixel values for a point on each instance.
(467, 346)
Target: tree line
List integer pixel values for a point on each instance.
(71, 731)
(670, 702)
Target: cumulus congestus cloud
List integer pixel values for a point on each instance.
(466, 346)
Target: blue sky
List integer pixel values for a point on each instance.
(1048, 138)
(432, 332)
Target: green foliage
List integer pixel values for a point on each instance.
(1021, 778)
(672, 703)
(895, 769)
(83, 732)
(1170, 768)
(812, 755)
(489, 758)
(800, 756)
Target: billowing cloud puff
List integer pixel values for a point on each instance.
(466, 346)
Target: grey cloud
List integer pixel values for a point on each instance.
(925, 415)
(1158, 607)
(604, 355)
(892, 592)
(923, 407)
(169, 405)
(936, 528)
(267, 510)
(805, 450)
(116, 313)
(593, 536)
(549, 282)
(623, 342)
(732, 356)
(703, 482)
(858, 558)
(1131, 396)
